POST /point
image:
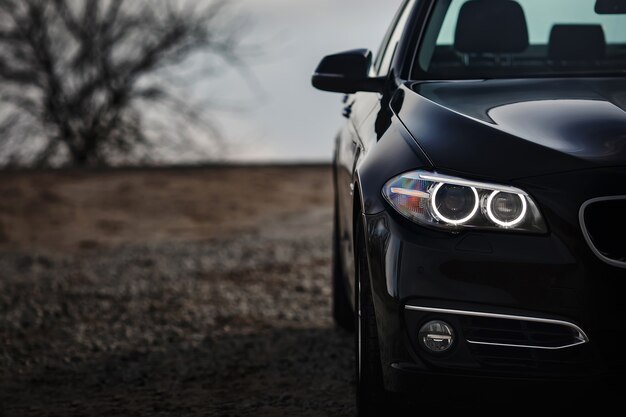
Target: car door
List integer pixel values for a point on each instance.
(361, 110)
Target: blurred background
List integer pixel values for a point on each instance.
(166, 206)
(291, 121)
(178, 81)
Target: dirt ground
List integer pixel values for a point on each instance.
(198, 292)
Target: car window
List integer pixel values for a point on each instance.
(386, 58)
(383, 45)
(542, 15)
(533, 38)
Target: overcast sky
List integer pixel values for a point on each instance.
(289, 120)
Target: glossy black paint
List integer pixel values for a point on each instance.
(561, 140)
(507, 129)
(347, 72)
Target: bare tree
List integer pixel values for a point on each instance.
(92, 81)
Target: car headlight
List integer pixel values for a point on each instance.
(454, 203)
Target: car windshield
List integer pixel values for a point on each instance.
(525, 38)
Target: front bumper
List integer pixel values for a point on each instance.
(554, 277)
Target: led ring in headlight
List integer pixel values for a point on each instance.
(454, 203)
(508, 210)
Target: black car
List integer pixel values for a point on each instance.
(480, 217)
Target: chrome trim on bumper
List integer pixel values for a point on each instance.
(528, 346)
(583, 226)
(581, 335)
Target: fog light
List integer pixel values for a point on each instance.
(436, 336)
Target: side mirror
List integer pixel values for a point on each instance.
(347, 72)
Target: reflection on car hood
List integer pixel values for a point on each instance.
(508, 129)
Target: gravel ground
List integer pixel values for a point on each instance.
(236, 326)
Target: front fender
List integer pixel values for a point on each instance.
(395, 153)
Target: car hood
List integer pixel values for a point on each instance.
(508, 129)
